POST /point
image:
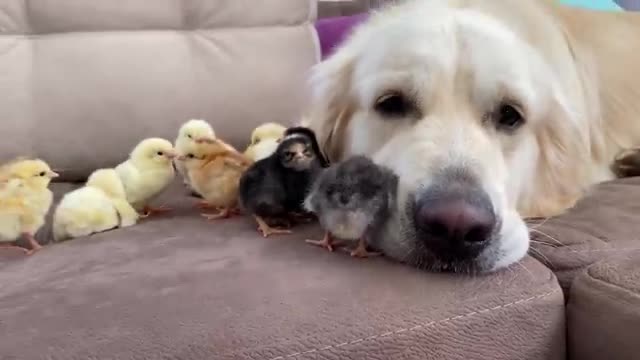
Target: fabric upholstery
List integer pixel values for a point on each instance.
(83, 82)
(604, 310)
(604, 223)
(179, 287)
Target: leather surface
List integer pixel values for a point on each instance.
(83, 82)
(604, 310)
(179, 287)
(605, 223)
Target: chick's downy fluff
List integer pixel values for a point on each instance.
(25, 198)
(187, 135)
(264, 140)
(352, 200)
(98, 206)
(275, 187)
(215, 168)
(147, 172)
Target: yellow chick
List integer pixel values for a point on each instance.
(264, 140)
(98, 206)
(147, 172)
(215, 168)
(25, 199)
(188, 132)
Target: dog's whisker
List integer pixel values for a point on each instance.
(548, 236)
(525, 269)
(540, 254)
(537, 225)
(544, 243)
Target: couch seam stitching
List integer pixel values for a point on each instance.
(414, 328)
(610, 284)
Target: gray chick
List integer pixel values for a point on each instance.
(352, 200)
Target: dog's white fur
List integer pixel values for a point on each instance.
(573, 73)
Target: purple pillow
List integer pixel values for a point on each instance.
(332, 31)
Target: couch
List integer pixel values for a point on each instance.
(84, 81)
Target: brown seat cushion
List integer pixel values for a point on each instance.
(179, 287)
(604, 310)
(604, 223)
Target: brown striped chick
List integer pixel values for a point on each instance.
(215, 168)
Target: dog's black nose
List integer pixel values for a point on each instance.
(453, 221)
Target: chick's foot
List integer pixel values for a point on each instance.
(35, 246)
(9, 246)
(223, 213)
(327, 242)
(361, 251)
(153, 210)
(205, 205)
(267, 230)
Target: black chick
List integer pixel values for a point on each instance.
(275, 187)
(352, 200)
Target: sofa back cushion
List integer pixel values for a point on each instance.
(83, 82)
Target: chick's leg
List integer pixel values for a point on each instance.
(267, 230)
(327, 241)
(361, 251)
(35, 246)
(223, 213)
(152, 210)
(205, 205)
(7, 246)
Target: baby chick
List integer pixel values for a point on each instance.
(275, 187)
(147, 172)
(187, 134)
(264, 140)
(99, 206)
(352, 200)
(26, 199)
(215, 168)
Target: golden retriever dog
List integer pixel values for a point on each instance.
(489, 112)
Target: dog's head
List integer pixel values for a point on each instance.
(469, 116)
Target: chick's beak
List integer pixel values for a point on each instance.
(181, 158)
(52, 174)
(171, 155)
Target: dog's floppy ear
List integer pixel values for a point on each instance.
(331, 103)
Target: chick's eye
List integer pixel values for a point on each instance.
(393, 105)
(191, 156)
(42, 173)
(189, 136)
(508, 117)
(160, 153)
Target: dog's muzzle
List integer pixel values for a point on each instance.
(454, 219)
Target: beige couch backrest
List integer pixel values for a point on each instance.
(81, 82)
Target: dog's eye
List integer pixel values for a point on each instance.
(508, 117)
(393, 105)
